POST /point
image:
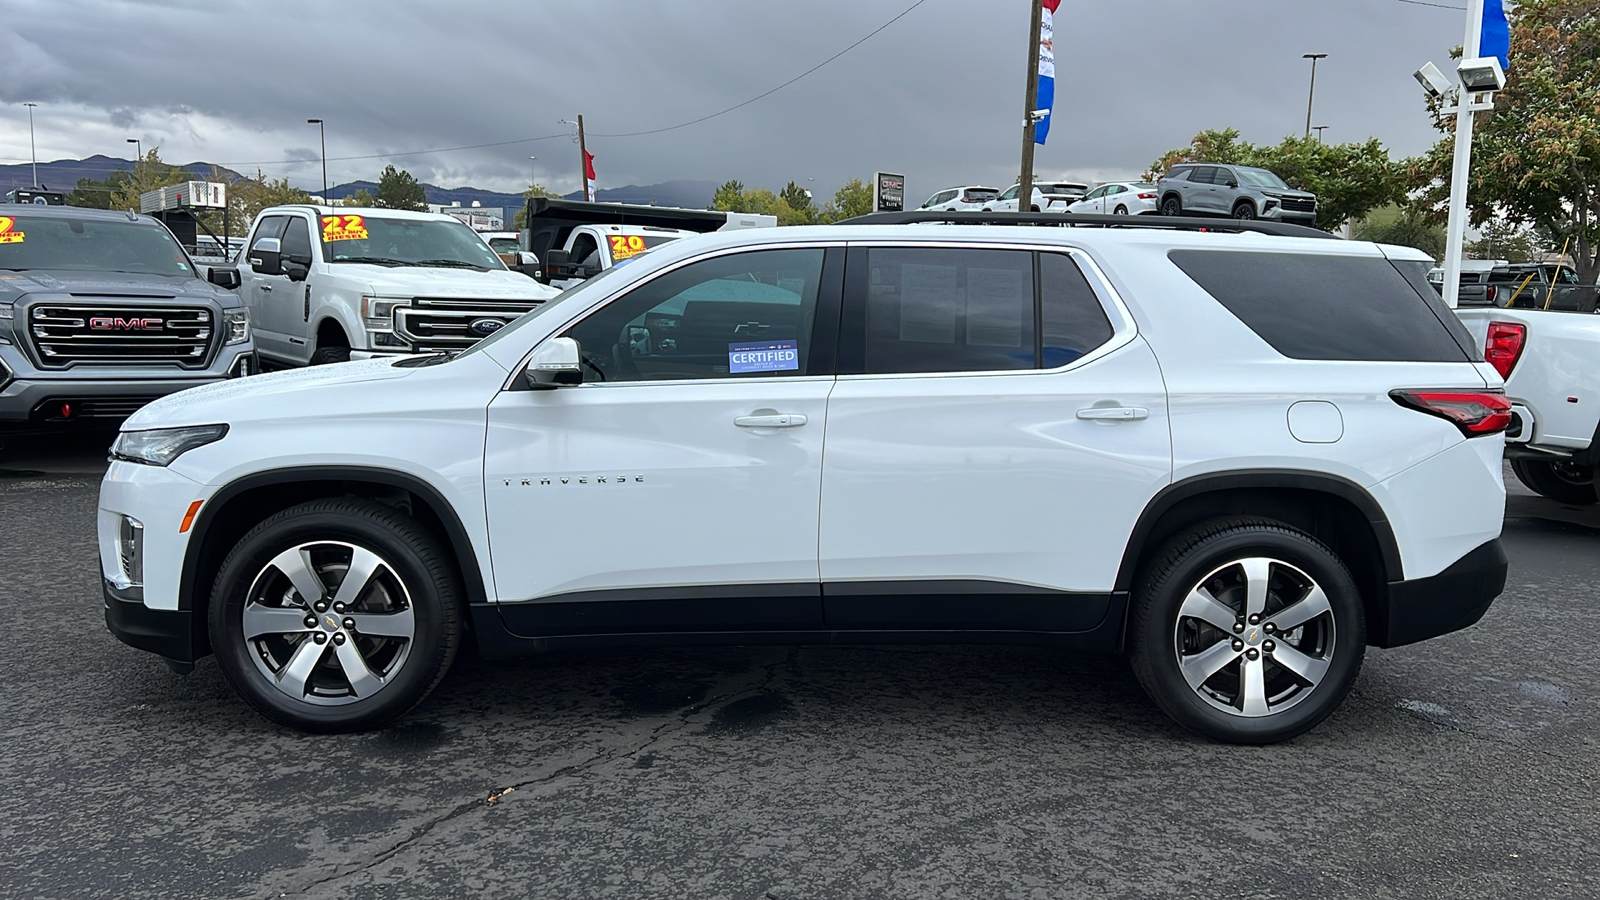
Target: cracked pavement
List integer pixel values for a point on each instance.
(1464, 766)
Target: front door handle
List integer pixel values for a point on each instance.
(779, 420)
(1114, 413)
(267, 288)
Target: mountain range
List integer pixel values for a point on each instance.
(63, 175)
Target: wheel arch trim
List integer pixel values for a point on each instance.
(461, 546)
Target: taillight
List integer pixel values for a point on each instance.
(1504, 345)
(1147, 196)
(1488, 295)
(1474, 412)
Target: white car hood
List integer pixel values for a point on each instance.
(419, 282)
(227, 401)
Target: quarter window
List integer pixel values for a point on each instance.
(747, 315)
(1071, 318)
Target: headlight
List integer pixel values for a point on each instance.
(236, 325)
(377, 313)
(160, 446)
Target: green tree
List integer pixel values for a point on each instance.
(1536, 156)
(854, 199)
(249, 196)
(798, 199)
(729, 197)
(1403, 227)
(1350, 180)
(519, 221)
(360, 198)
(397, 189)
(1503, 239)
(149, 173)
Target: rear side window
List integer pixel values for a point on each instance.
(1315, 306)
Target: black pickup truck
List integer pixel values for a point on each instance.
(1525, 286)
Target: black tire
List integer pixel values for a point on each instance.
(1033, 209)
(1120, 210)
(1244, 209)
(1171, 205)
(324, 355)
(1564, 482)
(1214, 556)
(416, 586)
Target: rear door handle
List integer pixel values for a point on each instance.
(1114, 413)
(781, 420)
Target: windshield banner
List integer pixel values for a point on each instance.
(625, 246)
(7, 236)
(344, 228)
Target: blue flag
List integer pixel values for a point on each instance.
(1495, 39)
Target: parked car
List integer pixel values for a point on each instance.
(1243, 192)
(961, 434)
(507, 246)
(1120, 198)
(1526, 286)
(1048, 196)
(327, 284)
(959, 199)
(102, 312)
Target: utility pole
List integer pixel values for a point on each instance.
(323, 135)
(1456, 227)
(31, 151)
(1312, 94)
(1030, 99)
(583, 161)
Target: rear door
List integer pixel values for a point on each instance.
(996, 429)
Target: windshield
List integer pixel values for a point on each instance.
(1258, 177)
(405, 242)
(89, 245)
(503, 245)
(579, 291)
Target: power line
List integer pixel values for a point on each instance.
(1434, 5)
(774, 90)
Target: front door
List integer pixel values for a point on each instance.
(260, 289)
(285, 313)
(677, 488)
(986, 466)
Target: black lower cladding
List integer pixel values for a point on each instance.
(1423, 608)
(957, 612)
(166, 632)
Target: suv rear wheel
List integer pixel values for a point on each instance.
(335, 615)
(1247, 631)
(1562, 481)
(1171, 205)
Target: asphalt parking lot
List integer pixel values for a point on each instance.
(1462, 767)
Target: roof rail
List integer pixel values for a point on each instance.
(1077, 220)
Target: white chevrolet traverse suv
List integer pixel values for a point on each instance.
(1239, 457)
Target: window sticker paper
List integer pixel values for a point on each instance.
(764, 356)
(929, 302)
(625, 246)
(995, 307)
(7, 234)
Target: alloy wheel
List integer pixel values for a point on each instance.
(328, 623)
(1255, 637)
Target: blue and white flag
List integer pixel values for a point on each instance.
(1495, 38)
(1047, 69)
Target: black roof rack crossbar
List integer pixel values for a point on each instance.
(1077, 220)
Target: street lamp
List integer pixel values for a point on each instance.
(1311, 95)
(32, 152)
(323, 134)
(533, 174)
(1319, 129)
(137, 146)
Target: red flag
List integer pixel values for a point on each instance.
(588, 165)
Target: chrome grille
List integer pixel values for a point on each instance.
(432, 324)
(1295, 204)
(66, 335)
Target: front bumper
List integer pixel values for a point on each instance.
(168, 633)
(36, 401)
(1456, 598)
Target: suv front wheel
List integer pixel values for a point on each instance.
(335, 615)
(1247, 631)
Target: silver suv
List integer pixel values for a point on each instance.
(1242, 192)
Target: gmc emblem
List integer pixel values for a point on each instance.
(109, 323)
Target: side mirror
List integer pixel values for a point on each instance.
(295, 270)
(555, 363)
(265, 257)
(1231, 183)
(588, 271)
(223, 276)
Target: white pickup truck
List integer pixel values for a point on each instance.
(325, 284)
(1547, 356)
(573, 240)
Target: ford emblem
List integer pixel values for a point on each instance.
(484, 327)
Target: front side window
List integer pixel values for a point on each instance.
(1011, 192)
(87, 244)
(269, 227)
(970, 310)
(1262, 178)
(394, 242)
(296, 240)
(1095, 194)
(746, 315)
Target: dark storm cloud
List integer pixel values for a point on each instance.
(937, 95)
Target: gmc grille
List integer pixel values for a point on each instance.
(121, 335)
(433, 324)
(1293, 204)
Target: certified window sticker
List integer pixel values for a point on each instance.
(764, 356)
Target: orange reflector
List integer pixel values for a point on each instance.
(188, 517)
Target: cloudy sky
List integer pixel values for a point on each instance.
(936, 95)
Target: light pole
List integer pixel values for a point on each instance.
(532, 172)
(1319, 129)
(32, 152)
(139, 147)
(1312, 94)
(323, 134)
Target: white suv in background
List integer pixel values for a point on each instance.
(1240, 457)
(961, 199)
(1048, 196)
